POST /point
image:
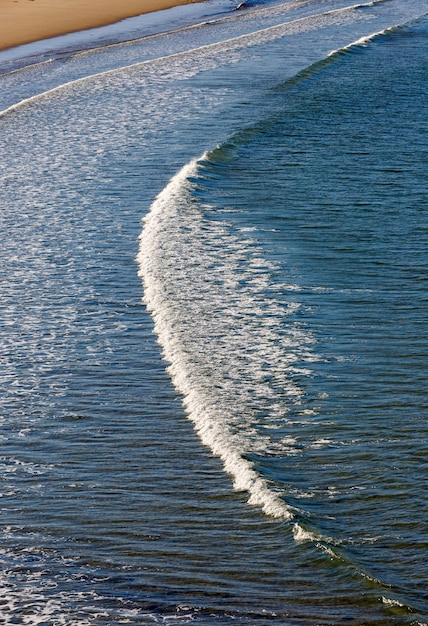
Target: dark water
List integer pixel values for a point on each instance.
(221, 419)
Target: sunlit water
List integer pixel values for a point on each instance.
(214, 330)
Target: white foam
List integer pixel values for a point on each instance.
(302, 536)
(326, 543)
(392, 602)
(207, 56)
(231, 353)
(363, 41)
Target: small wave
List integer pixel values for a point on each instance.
(206, 56)
(356, 45)
(392, 602)
(363, 42)
(302, 535)
(231, 353)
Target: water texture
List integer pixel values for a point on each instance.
(213, 322)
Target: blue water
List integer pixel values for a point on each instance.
(213, 320)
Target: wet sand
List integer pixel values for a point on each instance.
(25, 21)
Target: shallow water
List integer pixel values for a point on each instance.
(219, 416)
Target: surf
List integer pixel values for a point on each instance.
(207, 311)
(198, 59)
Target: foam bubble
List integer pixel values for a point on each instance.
(301, 535)
(391, 602)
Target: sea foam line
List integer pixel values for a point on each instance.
(219, 416)
(228, 45)
(364, 41)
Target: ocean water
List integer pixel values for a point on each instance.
(214, 324)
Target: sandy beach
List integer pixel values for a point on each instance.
(25, 21)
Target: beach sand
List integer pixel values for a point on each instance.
(25, 21)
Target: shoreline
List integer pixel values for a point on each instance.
(28, 21)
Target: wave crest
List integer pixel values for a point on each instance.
(231, 350)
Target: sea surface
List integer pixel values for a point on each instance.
(214, 319)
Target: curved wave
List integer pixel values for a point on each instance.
(334, 55)
(205, 287)
(232, 352)
(229, 350)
